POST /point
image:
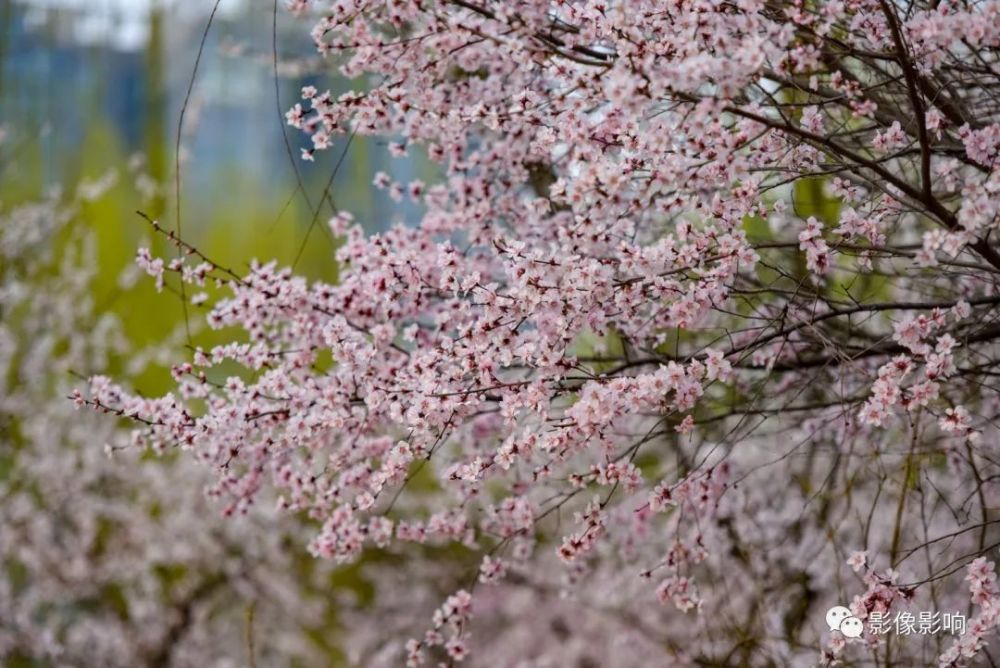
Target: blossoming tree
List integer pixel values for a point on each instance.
(701, 306)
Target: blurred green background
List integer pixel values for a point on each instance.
(91, 92)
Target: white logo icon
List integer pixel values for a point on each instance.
(839, 618)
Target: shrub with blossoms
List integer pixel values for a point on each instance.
(702, 301)
(119, 561)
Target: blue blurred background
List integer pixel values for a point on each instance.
(85, 84)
